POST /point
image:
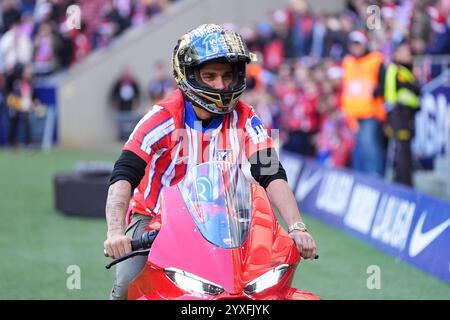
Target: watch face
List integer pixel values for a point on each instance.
(298, 226)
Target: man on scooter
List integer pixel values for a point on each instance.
(203, 120)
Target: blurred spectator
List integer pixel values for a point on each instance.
(116, 16)
(362, 103)
(255, 76)
(336, 40)
(161, 84)
(124, 8)
(155, 6)
(250, 37)
(15, 47)
(264, 105)
(440, 40)
(302, 28)
(21, 101)
(58, 10)
(108, 27)
(27, 25)
(66, 47)
(10, 15)
(81, 44)
(125, 94)
(285, 91)
(281, 21)
(402, 101)
(421, 31)
(45, 50)
(271, 45)
(335, 139)
(74, 45)
(386, 45)
(140, 15)
(125, 98)
(298, 110)
(319, 34)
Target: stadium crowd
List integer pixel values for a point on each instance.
(35, 42)
(298, 86)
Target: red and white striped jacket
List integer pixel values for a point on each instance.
(171, 140)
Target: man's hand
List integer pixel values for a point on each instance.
(305, 243)
(117, 246)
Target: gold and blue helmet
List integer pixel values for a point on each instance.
(210, 43)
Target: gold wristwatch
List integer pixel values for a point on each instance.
(300, 226)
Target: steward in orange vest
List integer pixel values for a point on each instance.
(362, 104)
(362, 88)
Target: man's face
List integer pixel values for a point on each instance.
(218, 76)
(357, 49)
(403, 54)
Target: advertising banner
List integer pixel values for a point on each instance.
(397, 220)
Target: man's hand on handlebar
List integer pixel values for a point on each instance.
(117, 246)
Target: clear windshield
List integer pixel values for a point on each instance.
(217, 195)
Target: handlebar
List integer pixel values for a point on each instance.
(145, 241)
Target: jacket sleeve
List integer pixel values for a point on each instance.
(152, 134)
(265, 167)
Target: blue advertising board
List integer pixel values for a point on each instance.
(433, 124)
(395, 219)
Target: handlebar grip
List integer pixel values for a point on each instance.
(145, 241)
(136, 244)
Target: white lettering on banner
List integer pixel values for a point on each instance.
(306, 183)
(292, 166)
(393, 221)
(362, 208)
(334, 193)
(432, 126)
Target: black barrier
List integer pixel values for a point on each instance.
(82, 192)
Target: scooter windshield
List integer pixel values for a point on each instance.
(217, 195)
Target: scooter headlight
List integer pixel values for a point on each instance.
(190, 282)
(267, 280)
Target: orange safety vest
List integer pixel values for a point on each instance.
(256, 71)
(359, 80)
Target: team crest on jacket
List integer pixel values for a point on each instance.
(222, 155)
